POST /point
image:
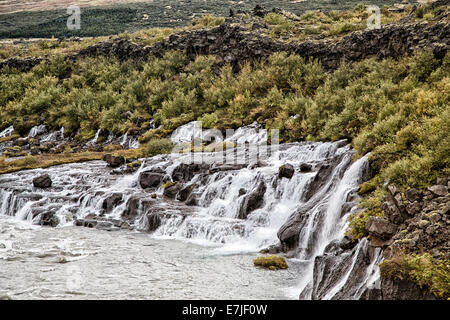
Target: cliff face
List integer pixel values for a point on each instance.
(416, 222)
(234, 44)
(241, 39)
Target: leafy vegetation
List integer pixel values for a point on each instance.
(157, 146)
(397, 110)
(429, 273)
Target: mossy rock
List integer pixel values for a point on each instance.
(272, 262)
(168, 184)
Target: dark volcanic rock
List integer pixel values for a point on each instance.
(413, 195)
(319, 180)
(380, 228)
(232, 43)
(114, 161)
(43, 181)
(184, 193)
(226, 167)
(403, 290)
(48, 219)
(136, 205)
(112, 201)
(23, 65)
(286, 171)
(172, 190)
(185, 172)
(153, 220)
(150, 179)
(252, 201)
(305, 167)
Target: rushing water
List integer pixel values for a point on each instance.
(82, 263)
(218, 240)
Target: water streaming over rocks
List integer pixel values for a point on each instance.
(237, 208)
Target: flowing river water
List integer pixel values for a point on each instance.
(81, 263)
(198, 250)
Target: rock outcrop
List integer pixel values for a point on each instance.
(421, 218)
(23, 65)
(114, 161)
(234, 43)
(286, 171)
(43, 181)
(252, 200)
(416, 221)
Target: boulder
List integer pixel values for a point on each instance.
(413, 195)
(150, 179)
(114, 161)
(305, 167)
(320, 180)
(226, 167)
(185, 172)
(154, 221)
(48, 219)
(380, 228)
(112, 201)
(286, 171)
(191, 200)
(252, 201)
(396, 289)
(392, 212)
(105, 225)
(413, 208)
(171, 189)
(135, 205)
(438, 190)
(184, 193)
(43, 181)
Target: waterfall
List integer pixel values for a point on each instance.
(7, 132)
(237, 208)
(37, 130)
(53, 136)
(129, 142)
(93, 141)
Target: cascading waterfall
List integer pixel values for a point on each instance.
(94, 140)
(236, 210)
(7, 132)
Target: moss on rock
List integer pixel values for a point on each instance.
(272, 262)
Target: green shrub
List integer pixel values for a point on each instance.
(429, 273)
(157, 146)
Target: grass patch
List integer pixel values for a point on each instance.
(49, 160)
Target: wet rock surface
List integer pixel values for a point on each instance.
(114, 161)
(43, 181)
(286, 171)
(222, 204)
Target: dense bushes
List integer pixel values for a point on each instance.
(397, 110)
(157, 146)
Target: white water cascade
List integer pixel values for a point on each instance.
(235, 208)
(7, 132)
